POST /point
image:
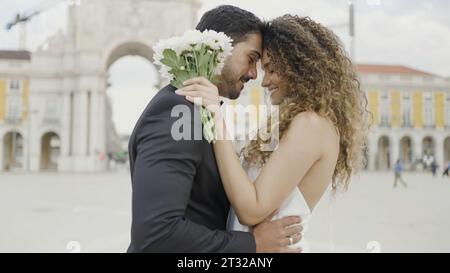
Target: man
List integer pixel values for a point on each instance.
(445, 173)
(179, 204)
(398, 174)
(434, 167)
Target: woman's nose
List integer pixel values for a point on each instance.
(265, 81)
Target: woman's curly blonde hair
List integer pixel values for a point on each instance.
(320, 78)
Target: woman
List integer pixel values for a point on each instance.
(322, 127)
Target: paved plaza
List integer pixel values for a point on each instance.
(54, 212)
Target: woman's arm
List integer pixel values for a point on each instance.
(297, 152)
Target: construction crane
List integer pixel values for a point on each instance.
(22, 19)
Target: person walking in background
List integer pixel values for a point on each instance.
(445, 173)
(434, 168)
(398, 174)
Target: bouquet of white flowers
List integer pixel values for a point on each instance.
(194, 54)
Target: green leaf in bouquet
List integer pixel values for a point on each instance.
(183, 75)
(175, 83)
(179, 77)
(203, 65)
(212, 65)
(170, 58)
(188, 59)
(182, 62)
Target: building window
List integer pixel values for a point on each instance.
(384, 111)
(13, 109)
(51, 111)
(406, 110)
(428, 109)
(14, 85)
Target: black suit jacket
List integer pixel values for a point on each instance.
(178, 201)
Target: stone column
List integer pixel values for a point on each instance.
(417, 150)
(98, 144)
(394, 150)
(65, 156)
(2, 144)
(79, 130)
(439, 152)
(35, 142)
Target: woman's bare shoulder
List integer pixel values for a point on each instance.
(311, 121)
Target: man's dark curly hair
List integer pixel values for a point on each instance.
(233, 21)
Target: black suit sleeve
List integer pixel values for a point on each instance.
(164, 171)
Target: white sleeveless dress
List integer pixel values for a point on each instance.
(294, 205)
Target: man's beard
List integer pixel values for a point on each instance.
(229, 83)
(231, 89)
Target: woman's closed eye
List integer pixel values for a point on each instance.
(269, 70)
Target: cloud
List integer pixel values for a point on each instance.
(133, 79)
(39, 27)
(128, 102)
(414, 38)
(132, 71)
(409, 32)
(320, 10)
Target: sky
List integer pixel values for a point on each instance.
(408, 32)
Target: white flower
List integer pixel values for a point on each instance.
(192, 37)
(219, 45)
(217, 41)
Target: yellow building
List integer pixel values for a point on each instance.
(13, 114)
(14, 97)
(410, 110)
(411, 116)
(69, 126)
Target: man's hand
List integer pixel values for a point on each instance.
(201, 91)
(273, 236)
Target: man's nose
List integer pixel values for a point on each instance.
(253, 73)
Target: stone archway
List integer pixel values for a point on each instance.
(428, 151)
(123, 28)
(406, 152)
(128, 54)
(428, 146)
(50, 151)
(129, 48)
(97, 33)
(383, 153)
(12, 151)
